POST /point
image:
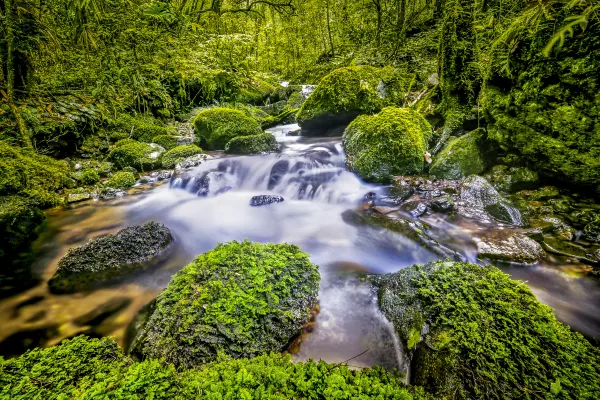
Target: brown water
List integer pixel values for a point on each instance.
(349, 322)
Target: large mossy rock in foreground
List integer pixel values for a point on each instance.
(472, 332)
(390, 143)
(217, 126)
(131, 153)
(243, 299)
(347, 93)
(83, 368)
(461, 157)
(253, 144)
(105, 259)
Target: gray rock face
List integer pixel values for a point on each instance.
(264, 200)
(480, 200)
(510, 248)
(104, 259)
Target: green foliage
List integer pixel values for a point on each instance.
(174, 156)
(485, 335)
(165, 141)
(253, 144)
(104, 259)
(387, 144)
(217, 126)
(19, 220)
(140, 129)
(121, 180)
(461, 157)
(244, 299)
(31, 175)
(130, 153)
(348, 92)
(83, 368)
(89, 177)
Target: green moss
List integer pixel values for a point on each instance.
(592, 230)
(390, 143)
(32, 175)
(461, 157)
(512, 179)
(486, 336)
(19, 221)
(253, 144)
(104, 259)
(121, 180)
(83, 368)
(178, 154)
(134, 154)
(217, 126)
(243, 299)
(165, 141)
(348, 92)
(89, 177)
(124, 142)
(140, 129)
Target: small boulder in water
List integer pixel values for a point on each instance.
(264, 200)
(510, 248)
(193, 161)
(104, 259)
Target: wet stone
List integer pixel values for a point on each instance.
(111, 193)
(77, 197)
(442, 204)
(510, 248)
(264, 200)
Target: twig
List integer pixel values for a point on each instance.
(350, 359)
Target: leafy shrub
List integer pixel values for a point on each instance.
(121, 180)
(178, 154)
(253, 144)
(390, 143)
(472, 332)
(217, 126)
(248, 299)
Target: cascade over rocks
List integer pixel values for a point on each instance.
(469, 331)
(105, 259)
(387, 144)
(242, 299)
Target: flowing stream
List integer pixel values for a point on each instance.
(210, 204)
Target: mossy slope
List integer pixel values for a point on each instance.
(390, 143)
(84, 368)
(243, 299)
(472, 332)
(217, 126)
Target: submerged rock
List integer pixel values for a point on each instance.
(480, 200)
(105, 259)
(468, 329)
(510, 248)
(241, 299)
(393, 142)
(265, 199)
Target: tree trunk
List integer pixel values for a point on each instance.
(10, 71)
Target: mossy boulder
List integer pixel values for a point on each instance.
(110, 257)
(347, 93)
(31, 175)
(512, 179)
(461, 157)
(166, 141)
(242, 299)
(390, 143)
(217, 126)
(141, 156)
(592, 230)
(88, 177)
(469, 331)
(19, 221)
(85, 368)
(177, 154)
(121, 180)
(253, 144)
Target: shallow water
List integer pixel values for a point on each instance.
(310, 175)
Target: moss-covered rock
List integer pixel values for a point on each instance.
(470, 331)
(512, 179)
(84, 368)
(32, 175)
(461, 157)
(243, 299)
(142, 156)
(121, 180)
(390, 143)
(253, 144)
(592, 230)
(142, 129)
(105, 259)
(165, 141)
(174, 156)
(89, 177)
(19, 221)
(348, 92)
(217, 126)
